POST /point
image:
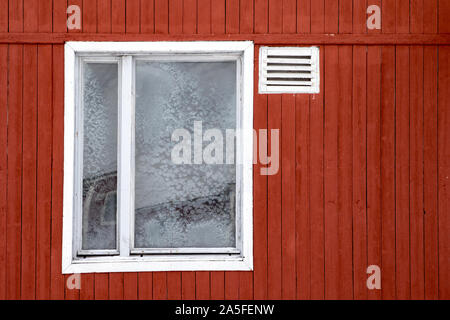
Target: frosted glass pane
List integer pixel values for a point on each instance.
(183, 205)
(100, 156)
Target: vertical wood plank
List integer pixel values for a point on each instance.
(274, 267)
(261, 16)
(28, 272)
(117, 286)
(444, 13)
(416, 173)
(345, 145)
(4, 15)
(430, 16)
(388, 172)
(402, 173)
(161, 16)
(160, 285)
(89, 16)
(373, 162)
(204, 16)
(15, 9)
(132, 16)
(231, 285)
(444, 170)
(430, 154)
(57, 278)
(188, 285)
(175, 16)
(331, 16)
(145, 285)
(302, 197)
(118, 16)
(416, 9)
(388, 16)
(289, 16)
(130, 286)
(174, 285)
(116, 291)
(303, 16)
(148, 16)
(317, 16)
(246, 16)
(202, 285)
(14, 182)
(317, 184)
(87, 286)
(331, 172)
(345, 16)
(59, 16)
(288, 275)
(189, 16)
(3, 165)
(44, 167)
(218, 16)
(360, 16)
(232, 16)
(359, 124)
(274, 251)
(217, 285)
(30, 19)
(259, 194)
(104, 14)
(246, 285)
(402, 16)
(101, 286)
(275, 17)
(45, 15)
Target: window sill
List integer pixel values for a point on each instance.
(222, 262)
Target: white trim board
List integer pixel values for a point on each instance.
(128, 259)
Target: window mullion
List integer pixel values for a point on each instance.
(125, 181)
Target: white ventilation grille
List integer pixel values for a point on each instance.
(289, 70)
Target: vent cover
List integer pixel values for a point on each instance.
(289, 70)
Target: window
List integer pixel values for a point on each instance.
(158, 156)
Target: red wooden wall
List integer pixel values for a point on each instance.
(365, 164)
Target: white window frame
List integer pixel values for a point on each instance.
(127, 258)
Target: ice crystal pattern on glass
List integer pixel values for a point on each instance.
(187, 205)
(99, 155)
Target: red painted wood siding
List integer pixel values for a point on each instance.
(364, 165)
